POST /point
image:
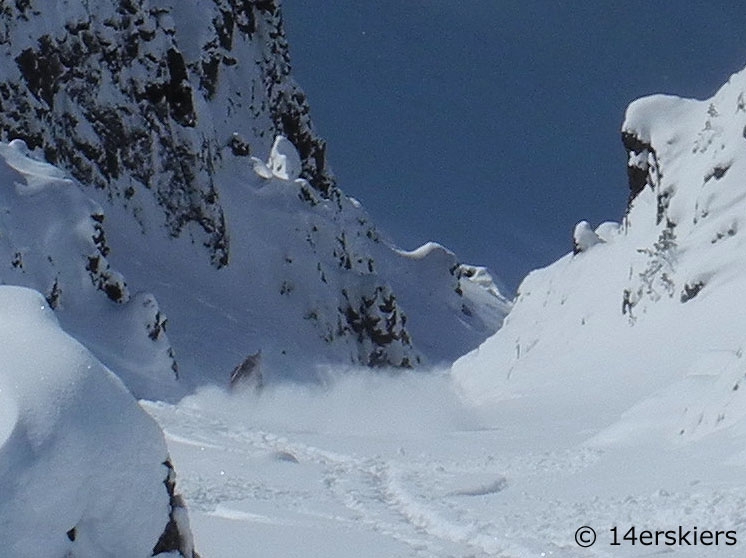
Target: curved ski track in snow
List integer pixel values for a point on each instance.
(376, 491)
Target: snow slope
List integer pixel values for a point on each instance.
(181, 120)
(633, 344)
(82, 468)
(650, 311)
(52, 236)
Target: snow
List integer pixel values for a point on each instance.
(428, 250)
(76, 451)
(213, 239)
(633, 352)
(263, 300)
(584, 237)
(284, 161)
(261, 168)
(50, 232)
(648, 116)
(402, 466)
(612, 395)
(282, 291)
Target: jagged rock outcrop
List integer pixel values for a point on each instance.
(177, 536)
(642, 164)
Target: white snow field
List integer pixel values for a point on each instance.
(399, 466)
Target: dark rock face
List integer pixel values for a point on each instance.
(176, 537)
(112, 94)
(379, 327)
(642, 168)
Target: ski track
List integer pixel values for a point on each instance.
(411, 498)
(376, 491)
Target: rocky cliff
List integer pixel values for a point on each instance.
(166, 116)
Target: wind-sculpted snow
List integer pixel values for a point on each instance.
(82, 467)
(284, 161)
(53, 239)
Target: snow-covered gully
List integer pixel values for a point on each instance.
(306, 484)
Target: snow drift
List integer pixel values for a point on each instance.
(83, 470)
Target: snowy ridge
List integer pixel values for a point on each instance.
(82, 468)
(645, 317)
(181, 120)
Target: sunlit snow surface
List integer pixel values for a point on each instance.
(399, 466)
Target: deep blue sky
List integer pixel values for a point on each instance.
(492, 126)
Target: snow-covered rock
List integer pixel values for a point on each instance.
(651, 319)
(284, 161)
(182, 122)
(584, 237)
(83, 469)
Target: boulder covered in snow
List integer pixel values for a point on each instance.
(84, 471)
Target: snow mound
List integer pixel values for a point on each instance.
(608, 230)
(584, 237)
(81, 464)
(649, 116)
